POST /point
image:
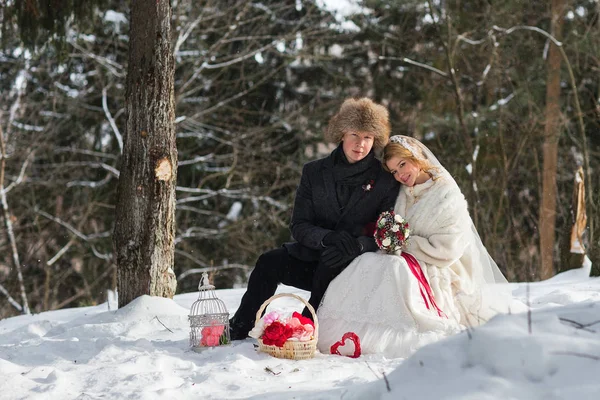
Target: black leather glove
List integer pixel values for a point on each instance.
(341, 252)
(332, 239)
(333, 257)
(349, 245)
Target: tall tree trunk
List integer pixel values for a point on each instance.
(145, 215)
(550, 146)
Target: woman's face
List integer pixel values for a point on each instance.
(405, 171)
(357, 145)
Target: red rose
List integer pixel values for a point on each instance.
(303, 320)
(276, 334)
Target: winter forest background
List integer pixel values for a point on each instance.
(479, 82)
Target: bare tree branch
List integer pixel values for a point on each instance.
(111, 121)
(12, 301)
(418, 64)
(9, 226)
(86, 238)
(232, 194)
(237, 95)
(211, 269)
(91, 164)
(86, 152)
(19, 179)
(586, 158)
(91, 184)
(61, 252)
(82, 292)
(114, 67)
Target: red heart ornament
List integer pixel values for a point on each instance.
(348, 335)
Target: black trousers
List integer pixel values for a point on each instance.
(275, 267)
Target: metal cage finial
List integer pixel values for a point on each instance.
(204, 282)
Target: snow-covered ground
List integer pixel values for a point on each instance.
(100, 352)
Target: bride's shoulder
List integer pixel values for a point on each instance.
(446, 188)
(446, 195)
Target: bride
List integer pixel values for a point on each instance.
(394, 310)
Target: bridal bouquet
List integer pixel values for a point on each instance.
(391, 232)
(276, 329)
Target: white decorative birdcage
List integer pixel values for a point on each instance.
(209, 318)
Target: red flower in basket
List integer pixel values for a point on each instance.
(303, 320)
(276, 334)
(275, 329)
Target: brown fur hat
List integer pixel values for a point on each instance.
(362, 115)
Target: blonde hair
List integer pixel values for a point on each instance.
(392, 150)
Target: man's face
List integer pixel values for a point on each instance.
(357, 145)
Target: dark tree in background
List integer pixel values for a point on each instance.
(552, 130)
(144, 232)
(144, 236)
(38, 123)
(254, 86)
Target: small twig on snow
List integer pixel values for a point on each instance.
(385, 379)
(387, 383)
(271, 371)
(573, 353)
(579, 325)
(590, 324)
(163, 324)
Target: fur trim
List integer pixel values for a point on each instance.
(360, 115)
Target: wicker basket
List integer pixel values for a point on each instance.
(292, 349)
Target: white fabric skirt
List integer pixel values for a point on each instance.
(378, 298)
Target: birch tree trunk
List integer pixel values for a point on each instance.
(145, 211)
(550, 147)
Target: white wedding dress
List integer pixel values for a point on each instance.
(379, 298)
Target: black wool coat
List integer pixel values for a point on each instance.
(317, 211)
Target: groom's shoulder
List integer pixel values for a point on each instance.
(314, 165)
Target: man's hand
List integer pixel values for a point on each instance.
(332, 238)
(341, 249)
(332, 257)
(349, 245)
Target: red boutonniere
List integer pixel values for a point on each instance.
(367, 187)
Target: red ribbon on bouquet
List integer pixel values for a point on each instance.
(424, 287)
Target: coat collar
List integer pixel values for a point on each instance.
(329, 181)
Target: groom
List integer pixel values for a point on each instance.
(338, 197)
